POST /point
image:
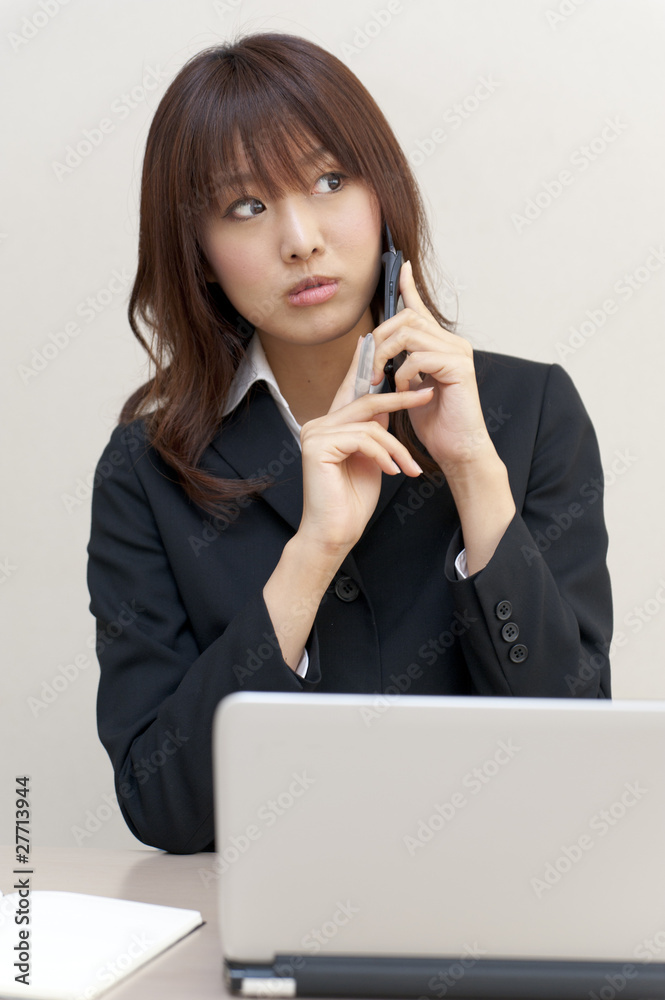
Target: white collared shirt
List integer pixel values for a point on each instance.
(255, 367)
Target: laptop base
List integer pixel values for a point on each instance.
(463, 979)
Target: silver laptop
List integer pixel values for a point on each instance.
(415, 846)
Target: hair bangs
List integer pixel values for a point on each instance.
(264, 138)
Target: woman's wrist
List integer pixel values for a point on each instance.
(294, 592)
(318, 559)
(478, 471)
(485, 506)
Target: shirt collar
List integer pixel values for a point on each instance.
(254, 367)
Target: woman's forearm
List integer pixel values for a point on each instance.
(294, 592)
(485, 505)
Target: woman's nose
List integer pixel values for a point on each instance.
(300, 235)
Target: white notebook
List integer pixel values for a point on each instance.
(79, 945)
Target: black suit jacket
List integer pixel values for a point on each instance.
(181, 620)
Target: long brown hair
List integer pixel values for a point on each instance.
(270, 96)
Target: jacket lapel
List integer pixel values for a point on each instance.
(255, 441)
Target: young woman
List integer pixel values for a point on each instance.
(254, 525)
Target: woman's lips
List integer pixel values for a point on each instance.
(312, 296)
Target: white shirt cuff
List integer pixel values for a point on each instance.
(460, 566)
(301, 669)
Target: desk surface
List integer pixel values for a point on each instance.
(192, 968)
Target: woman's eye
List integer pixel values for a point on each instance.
(334, 181)
(247, 208)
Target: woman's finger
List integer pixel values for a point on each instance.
(368, 407)
(409, 292)
(370, 439)
(410, 332)
(444, 369)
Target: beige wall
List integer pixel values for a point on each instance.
(545, 87)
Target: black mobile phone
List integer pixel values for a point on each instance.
(392, 262)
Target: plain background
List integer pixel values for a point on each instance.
(542, 86)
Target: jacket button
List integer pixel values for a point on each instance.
(510, 631)
(346, 588)
(503, 610)
(518, 653)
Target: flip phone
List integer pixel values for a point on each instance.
(392, 262)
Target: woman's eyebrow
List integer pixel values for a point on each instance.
(314, 155)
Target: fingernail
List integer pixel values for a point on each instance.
(418, 468)
(424, 388)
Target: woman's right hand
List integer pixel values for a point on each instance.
(343, 456)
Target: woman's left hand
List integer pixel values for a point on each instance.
(451, 425)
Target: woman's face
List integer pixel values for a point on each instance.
(327, 234)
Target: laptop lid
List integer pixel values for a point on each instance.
(426, 827)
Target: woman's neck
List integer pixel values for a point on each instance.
(310, 375)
